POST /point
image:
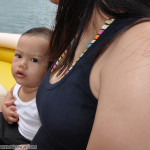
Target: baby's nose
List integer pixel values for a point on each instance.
(23, 63)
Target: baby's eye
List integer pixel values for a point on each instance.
(34, 60)
(18, 56)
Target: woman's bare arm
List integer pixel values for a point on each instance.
(122, 120)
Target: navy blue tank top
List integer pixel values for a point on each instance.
(67, 108)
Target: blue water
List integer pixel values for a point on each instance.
(17, 16)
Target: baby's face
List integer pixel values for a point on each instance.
(30, 62)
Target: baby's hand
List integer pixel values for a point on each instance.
(9, 111)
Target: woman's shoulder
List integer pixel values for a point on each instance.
(134, 43)
(128, 54)
(136, 35)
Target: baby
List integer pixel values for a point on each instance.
(29, 66)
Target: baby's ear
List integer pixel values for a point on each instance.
(3, 93)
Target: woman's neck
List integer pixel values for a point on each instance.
(96, 22)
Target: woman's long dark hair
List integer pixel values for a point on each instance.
(73, 17)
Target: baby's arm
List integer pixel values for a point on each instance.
(9, 109)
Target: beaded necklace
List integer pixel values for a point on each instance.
(105, 26)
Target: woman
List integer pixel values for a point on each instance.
(55, 1)
(96, 96)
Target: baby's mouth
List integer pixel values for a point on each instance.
(20, 74)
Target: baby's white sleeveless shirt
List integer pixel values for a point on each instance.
(29, 121)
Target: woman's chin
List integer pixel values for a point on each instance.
(55, 1)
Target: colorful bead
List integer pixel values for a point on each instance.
(101, 31)
(52, 70)
(85, 50)
(59, 59)
(97, 36)
(54, 67)
(66, 72)
(105, 26)
(63, 55)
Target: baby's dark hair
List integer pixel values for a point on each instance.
(43, 32)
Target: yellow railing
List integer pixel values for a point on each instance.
(8, 44)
